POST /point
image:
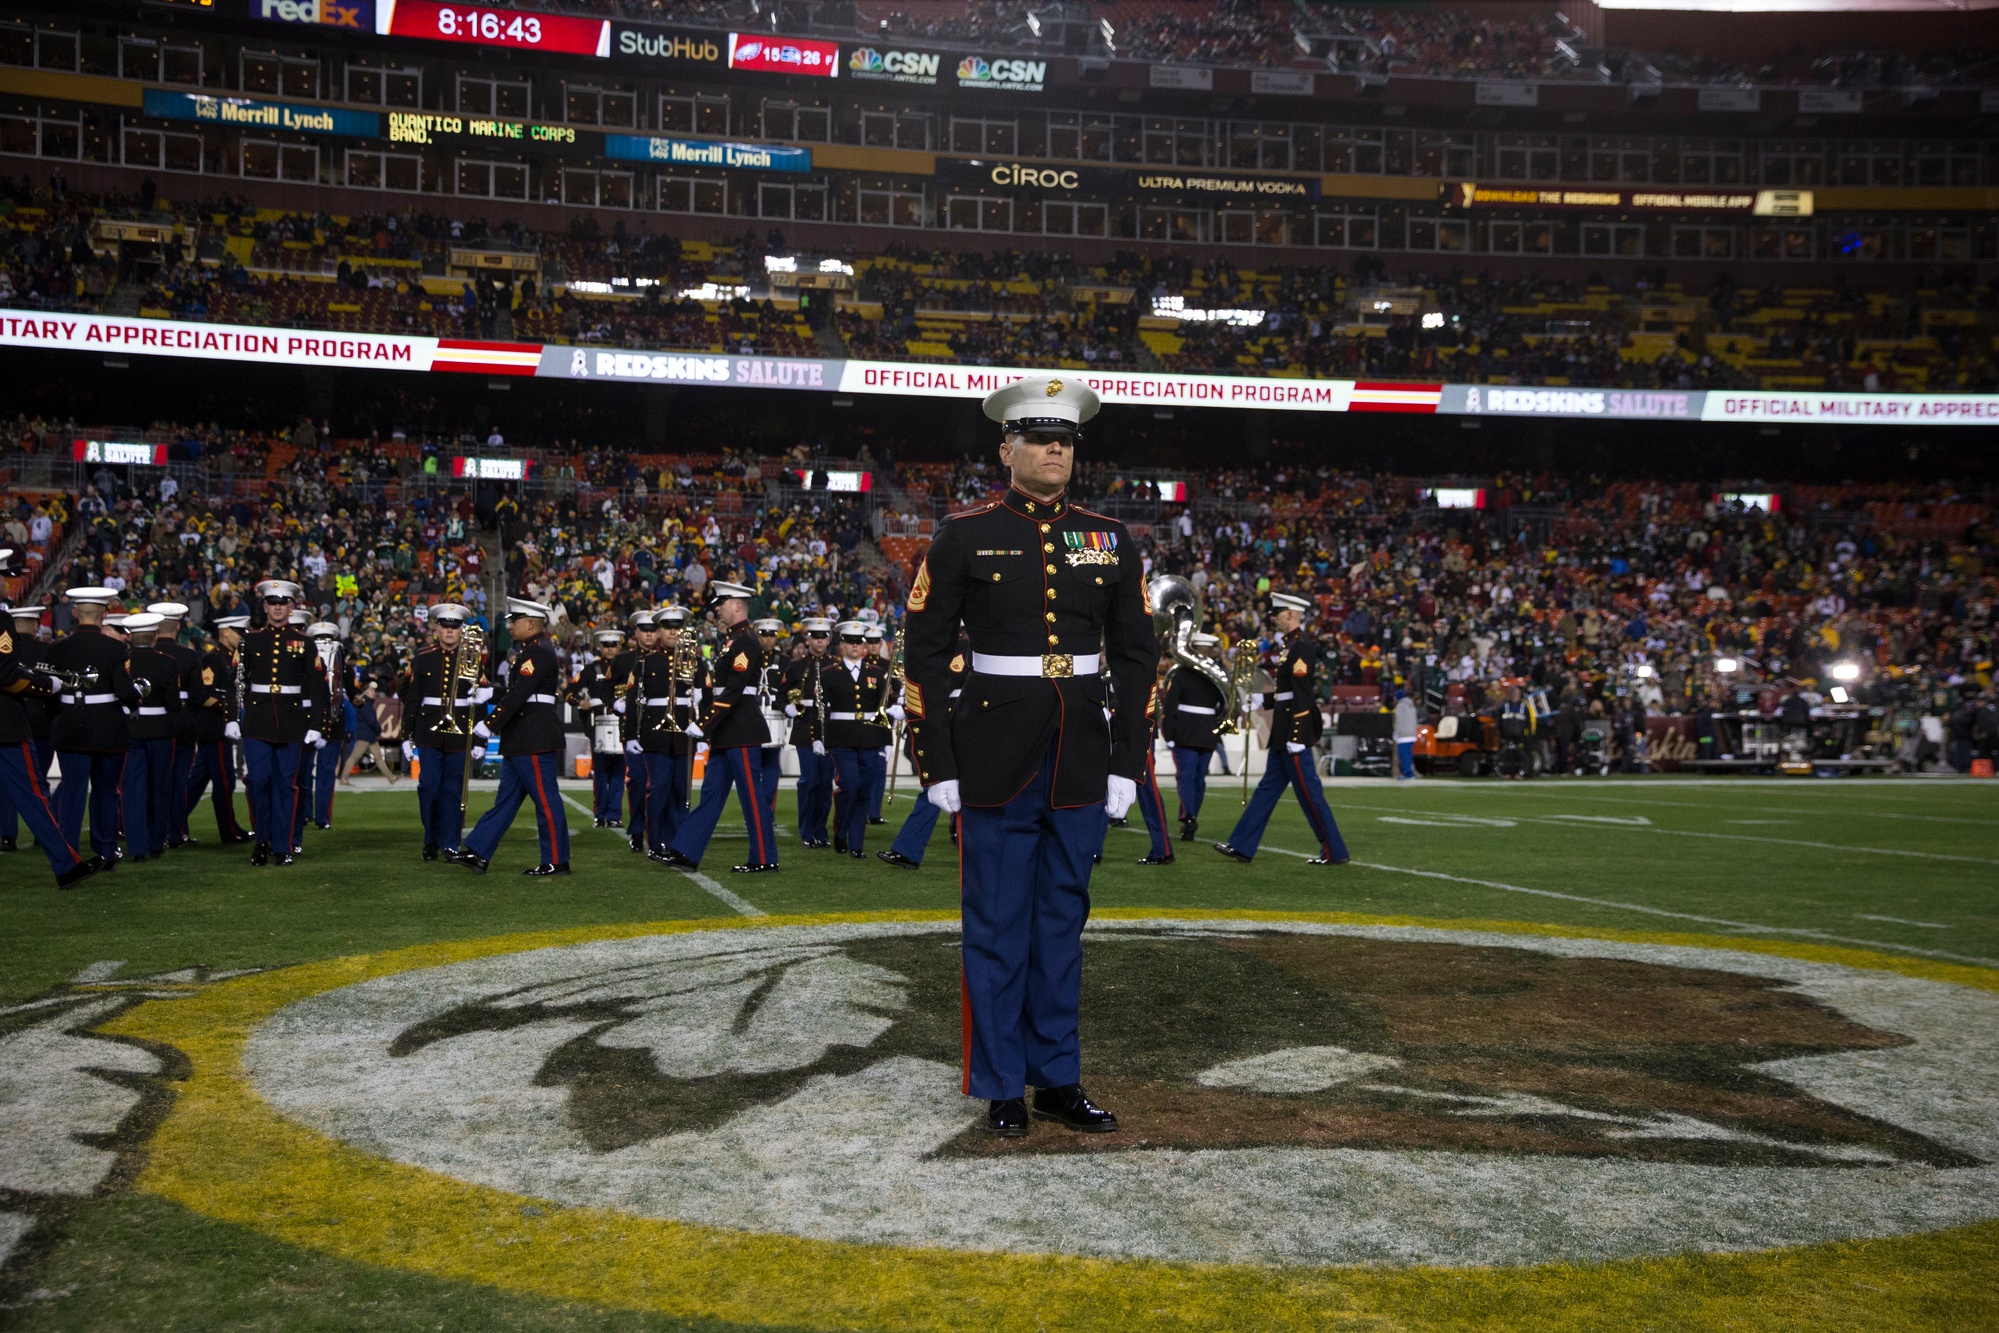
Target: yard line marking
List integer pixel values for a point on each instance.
(103, 970)
(1570, 794)
(1759, 821)
(1901, 921)
(733, 900)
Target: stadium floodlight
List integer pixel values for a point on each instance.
(836, 266)
(1727, 666)
(1643, 671)
(780, 263)
(1839, 695)
(1433, 319)
(1034, 23)
(1845, 671)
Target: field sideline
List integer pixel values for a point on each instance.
(1900, 876)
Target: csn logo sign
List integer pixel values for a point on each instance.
(895, 66)
(353, 15)
(1012, 76)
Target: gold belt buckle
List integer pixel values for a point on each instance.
(1058, 664)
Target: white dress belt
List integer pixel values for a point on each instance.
(664, 701)
(90, 699)
(751, 689)
(154, 711)
(999, 664)
(1285, 695)
(430, 701)
(1196, 708)
(848, 717)
(277, 689)
(541, 698)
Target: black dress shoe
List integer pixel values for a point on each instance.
(430, 851)
(544, 870)
(1328, 861)
(135, 859)
(285, 858)
(80, 872)
(857, 852)
(472, 862)
(1008, 1119)
(110, 862)
(839, 845)
(898, 860)
(1150, 860)
(1188, 827)
(1233, 854)
(819, 845)
(1122, 821)
(240, 837)
(638, 842)
(757, 868)
(1068, 1106)
(878, 821)
(175, 844)
(261, 854)
(1097, 860)
(677, 861)
(10, 845)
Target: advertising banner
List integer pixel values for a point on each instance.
(1730, 99)
(230, 342)
(1192, 78)
(435, 127)
(874, 65)
(1636, 404)
(348, 15)
(977, 73)
(632, 41)
(1898, 409)
(1153, 184)
(771, 372)
(784, 55)
(261, 115)
(1282, 83)
(705, 153)
(527, 31)
(1757, 203)
(1508, 94)
(1829, 101)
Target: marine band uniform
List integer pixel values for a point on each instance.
(595, 695)
(1191, 719)
(658, 707)
(38, 708)
(732, 722)
(91, 733)
(801, 689)
(527, 714)
(770, 701)
(147, 795)
(214, 701)
(172, 616)
(282, 692)
(442, 711)
(857, 691)
(912, 840)
(25, 689)
(1026, 757)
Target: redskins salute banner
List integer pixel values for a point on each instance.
(103, 334)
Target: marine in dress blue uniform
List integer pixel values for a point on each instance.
(319, 764)
(645, 640)
(91, 734)
(282, 691)
(732, 722)
(528, 716)
(442, 710)
(214, 700)
(1295, 726)
(878, 651)
(147, 794)
(1027, 757)
(857, 690)
(1190, 718)
(37, 707)
(658, 706)
(597, 701)
(769, 694)
(23, 689)
(172, 615)
(912, 840)
(801, 692)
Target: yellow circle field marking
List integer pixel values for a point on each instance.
(225, 1153)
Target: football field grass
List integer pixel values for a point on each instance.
(1905, 873)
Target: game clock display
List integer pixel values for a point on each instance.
(494, 27)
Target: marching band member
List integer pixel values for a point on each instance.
(913, 838)
(594, 696)
(770, 694)
(146, 793)
(37, 707)
(214, 704)
(673, 802)
(801, 691)
(91, 734)
(655, 721)
(435, 696)
(282, 691)
(1150, 806)
(855, 688)
(22, 783)
(1295, 726)
(1191, 718)
(320, 770)
(1027, 758)
(528, 716)
(878, 650)
(733, 726)
(644, 641)
(172, 615)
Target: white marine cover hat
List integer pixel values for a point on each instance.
(1284, 601)
(644, 619)
(449, 613)
(299, 616)
(673, 613)
(520, 608)
(818, 625)
(91, 596)
(1044, 403)
(232, 622)
(719, 590)
(168, 610)
(767, 625)
(322, 629)
(853, 631)
(282, 590)
(1200, 640)
(609, 636)
(140, 622)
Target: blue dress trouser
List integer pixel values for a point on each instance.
(90, 777)
(1190, 773)
(638, 789)
(1153, 810)
(666, 796)
(1025, 894)
(271, 773)
(439, 775)
(179, 802)
(881, 788)
(40, 752)
(860, 774)
(306, 782)
(214, 762)
(149, 778)
(325, 777)
(525, 777)
(737, 768)
(607, 788)
(913, 839)
(1285, 769)
(26, 793)
(768, 778)
(815, 794)
(1405, 759)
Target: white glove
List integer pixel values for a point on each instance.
(409, 750)
(618, 707)
(315, 740)
(233, 731)
(1123, 791)
(477, 752)
(791, 710)
(694, 730)
(944, 795)
(482, 694)
(482, 731)
(633, 747)
(1294, 747)
(819, 747)
(895, 711)
(56, 685)
(1256, 703)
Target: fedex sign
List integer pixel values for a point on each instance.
(352, 15)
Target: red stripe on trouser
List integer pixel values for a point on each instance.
(964, 991)
(547, 814)
(42, 795)
(1311, 815)
(291, 822)
(225, 788)
(756, 815)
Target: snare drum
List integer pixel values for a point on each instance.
(607, 734)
